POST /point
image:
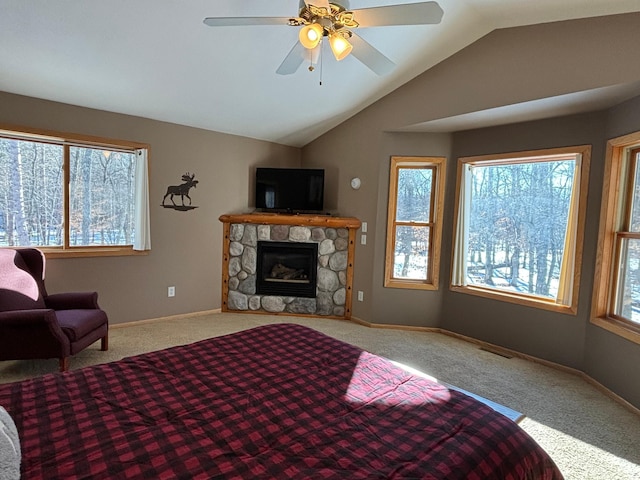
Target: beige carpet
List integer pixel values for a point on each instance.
(588, 435)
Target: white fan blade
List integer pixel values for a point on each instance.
(242, 21)
(370, 56)
(423, 13)
(318, 3)
(293, 60)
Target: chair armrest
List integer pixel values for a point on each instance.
(73, 301)
(32, 334)
(28, 318)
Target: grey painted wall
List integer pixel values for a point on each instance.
(505, 67)
(550, 335)
(186, 247)
(610, 359)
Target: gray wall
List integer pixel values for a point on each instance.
(566, 339)
(505, 67)
(608, 358)
(546, 334)
(186, 247)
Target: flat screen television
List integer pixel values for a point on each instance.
(289, 190)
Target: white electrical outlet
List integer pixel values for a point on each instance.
(360, 295)
(364, 227)
(171, 292)
(363, 239)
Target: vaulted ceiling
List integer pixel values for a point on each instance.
(156, 59)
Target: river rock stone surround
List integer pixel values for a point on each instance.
(333, 244)
(335, 238)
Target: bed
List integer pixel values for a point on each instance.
(279, 401)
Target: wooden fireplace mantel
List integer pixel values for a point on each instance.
(293, 219)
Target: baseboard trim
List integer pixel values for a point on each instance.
(507, 352)
(614, 396)
(392, 326)
(180, 316)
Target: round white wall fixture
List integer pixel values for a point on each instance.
(355, 183)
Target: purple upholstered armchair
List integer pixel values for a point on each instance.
(34, 324)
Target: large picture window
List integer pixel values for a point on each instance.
(75, 195)
(519, 226)
(414, 222)
(616, 302)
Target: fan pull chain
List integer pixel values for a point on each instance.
(311, 67)
(321, 64)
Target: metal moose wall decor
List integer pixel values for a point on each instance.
(183, 191)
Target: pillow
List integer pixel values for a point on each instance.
(20, 290)
(9, 448)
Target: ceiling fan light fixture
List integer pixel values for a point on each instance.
(327, 18)
(340, 46)
(310, 35)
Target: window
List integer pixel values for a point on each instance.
(414, 224)
(519, 226)
(616, 300)
(72, 195)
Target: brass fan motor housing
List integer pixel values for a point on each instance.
(332, 20)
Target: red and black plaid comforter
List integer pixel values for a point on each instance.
(278, 401)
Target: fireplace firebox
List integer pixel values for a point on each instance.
(286, 269)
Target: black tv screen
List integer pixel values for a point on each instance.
(290, 190)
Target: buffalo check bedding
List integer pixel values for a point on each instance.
(279, 401)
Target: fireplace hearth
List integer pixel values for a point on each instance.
(287, 269)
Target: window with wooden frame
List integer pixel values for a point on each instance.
(520, 225)
(616, 297)
(73, 195)
(414, 223)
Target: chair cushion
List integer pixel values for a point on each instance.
(18, 289)
(78, 323)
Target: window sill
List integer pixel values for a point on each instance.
(619, 328)
(528, 301)
(78, 252)
(410, 284)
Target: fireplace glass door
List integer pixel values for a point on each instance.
(287, 269)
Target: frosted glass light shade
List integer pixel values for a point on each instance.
(310, 35)
(340, 46)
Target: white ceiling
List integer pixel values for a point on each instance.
(156, 59)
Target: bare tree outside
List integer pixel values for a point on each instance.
(518, 223)
(627, 282)
(32, 193)
(101, 189)
(413, 214)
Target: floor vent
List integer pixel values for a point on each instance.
(496, 352)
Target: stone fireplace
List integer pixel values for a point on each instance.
(288, 264)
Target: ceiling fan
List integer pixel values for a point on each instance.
(323, 18)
